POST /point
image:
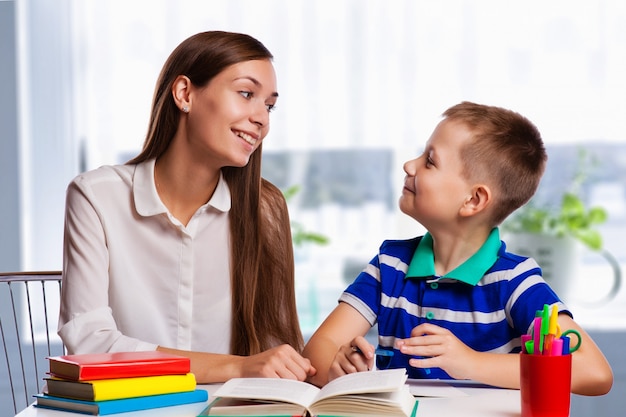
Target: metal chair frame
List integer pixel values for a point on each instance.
(17, 325)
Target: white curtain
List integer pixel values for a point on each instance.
(358, 75)
(367, 73)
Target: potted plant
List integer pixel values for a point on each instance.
(556, 236)
(571, 219)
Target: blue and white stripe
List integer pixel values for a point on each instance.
(488, 317)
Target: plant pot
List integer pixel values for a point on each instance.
(560, 262)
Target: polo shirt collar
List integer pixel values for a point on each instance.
(147, 200)
(422, 264)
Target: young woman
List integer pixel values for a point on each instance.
(186, 248)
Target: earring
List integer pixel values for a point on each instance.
(185, 109)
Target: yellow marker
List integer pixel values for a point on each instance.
(554, 327)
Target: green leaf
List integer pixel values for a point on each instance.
(300, 236)
(597, 215)
(591, 238)
(291, 191)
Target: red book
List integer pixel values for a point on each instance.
(95, 366)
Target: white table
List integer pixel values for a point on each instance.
(481, 402)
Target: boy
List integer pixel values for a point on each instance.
(453, 303)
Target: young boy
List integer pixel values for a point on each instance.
(453, 303)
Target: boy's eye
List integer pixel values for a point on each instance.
(429, 161)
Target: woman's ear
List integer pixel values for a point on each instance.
(181, 89)
(477, 201)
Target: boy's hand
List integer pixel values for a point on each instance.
(357, 356)
(436, 347)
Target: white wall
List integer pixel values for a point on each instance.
(10, 236)
(48, 148)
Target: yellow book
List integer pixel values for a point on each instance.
(118, 388)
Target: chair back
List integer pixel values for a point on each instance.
(29, 310)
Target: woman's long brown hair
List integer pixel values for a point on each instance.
(262, 276)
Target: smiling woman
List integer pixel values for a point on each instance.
(190, 225)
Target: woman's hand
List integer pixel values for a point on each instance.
(356, 356)
(279, 362)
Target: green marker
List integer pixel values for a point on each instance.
(545, 326)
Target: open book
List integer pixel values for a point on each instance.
(376, 393)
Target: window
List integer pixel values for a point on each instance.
(364, 83)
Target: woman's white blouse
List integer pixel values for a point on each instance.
(134, 277)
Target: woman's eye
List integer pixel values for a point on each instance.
(270, 107)
(246, 94)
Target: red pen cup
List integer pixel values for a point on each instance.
(545, 385)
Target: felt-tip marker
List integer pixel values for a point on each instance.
(378, 351)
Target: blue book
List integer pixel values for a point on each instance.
(120, 406)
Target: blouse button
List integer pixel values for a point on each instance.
(430, 315)
(434, 285)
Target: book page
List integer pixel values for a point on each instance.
(237, 407)
(275, 389)
(364, 382)
(392, 403)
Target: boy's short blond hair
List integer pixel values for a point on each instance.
(506, 152)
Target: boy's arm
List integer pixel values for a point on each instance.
(342, 325)
(591, 372)
(434, 346)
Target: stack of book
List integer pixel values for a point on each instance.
(109, 383)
